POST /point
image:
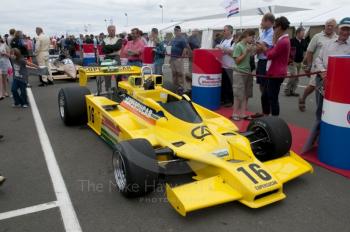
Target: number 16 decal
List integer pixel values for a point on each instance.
(255, 168)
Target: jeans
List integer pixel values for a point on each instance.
(319, 98)
(261, 70)
(158, 68)
(20, 99)
(269, 97)
(135, 63)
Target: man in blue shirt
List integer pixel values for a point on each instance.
(179, 47)
(266, 39)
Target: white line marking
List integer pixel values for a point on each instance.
(69, 216)
(28, 210)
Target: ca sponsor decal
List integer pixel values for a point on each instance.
(200, 132)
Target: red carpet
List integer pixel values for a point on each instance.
(299, 135)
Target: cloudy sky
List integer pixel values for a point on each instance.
(75, 16)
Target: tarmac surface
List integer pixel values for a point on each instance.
(315, 202)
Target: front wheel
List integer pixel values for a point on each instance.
(72, 105)
(271, 138)
(135, 167)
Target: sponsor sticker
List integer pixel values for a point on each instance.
(209, 81)
(206, 80)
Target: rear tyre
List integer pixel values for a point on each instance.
(72, 105)
(272, 138)
(135, 167)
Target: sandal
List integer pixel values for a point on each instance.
(302, 105)
(235, 118)
(257, 115)
(247, 117)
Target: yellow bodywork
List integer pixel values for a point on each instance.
(222, 159)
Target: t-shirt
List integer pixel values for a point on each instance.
(20, 70)
(298, 47)
(137, 45)
(317, 42)
(244, 66)
(227, 60)
(266, 37)
(178, 44)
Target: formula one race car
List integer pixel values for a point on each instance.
(63, 67)
(153, 130)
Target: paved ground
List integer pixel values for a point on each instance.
(318, 202)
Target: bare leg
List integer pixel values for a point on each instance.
(309, 89)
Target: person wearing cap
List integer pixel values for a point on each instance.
(337, 46)
(312, 52)
(179, 47)
(298, 48)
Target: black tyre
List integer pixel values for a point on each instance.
(135, 167)
(72, 105)
(271, 139)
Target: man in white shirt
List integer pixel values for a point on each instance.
(336, 46)
(42, 48)
(226, 46)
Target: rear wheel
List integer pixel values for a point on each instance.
(135, 167)
(271, 138)
(72, 105)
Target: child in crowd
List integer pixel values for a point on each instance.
(242, 83)
(20, 78)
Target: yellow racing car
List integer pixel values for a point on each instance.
(153, 130)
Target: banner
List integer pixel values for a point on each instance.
(231, 7)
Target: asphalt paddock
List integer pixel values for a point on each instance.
(315, 202)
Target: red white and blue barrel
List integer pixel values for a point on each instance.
(148, 57)
(100, 54)
(334, 143)
(88, 54)
(206, 77)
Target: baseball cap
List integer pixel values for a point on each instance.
(345, 22)
(177, 28)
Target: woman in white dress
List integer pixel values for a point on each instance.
(5, 66)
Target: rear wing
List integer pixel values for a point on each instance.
(87, 72)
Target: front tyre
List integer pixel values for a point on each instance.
(272, 138)
(72, 105)
(135, 167)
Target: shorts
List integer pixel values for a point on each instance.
(242, 86)
(312, 80)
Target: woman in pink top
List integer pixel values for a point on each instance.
(278, 57)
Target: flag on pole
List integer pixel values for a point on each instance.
(231, 7)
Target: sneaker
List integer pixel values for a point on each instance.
(25, 106)
(2, 179)
(16, 106)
